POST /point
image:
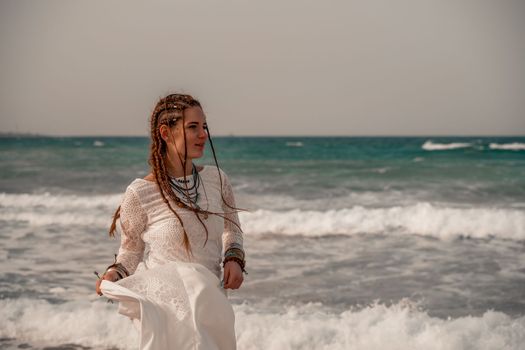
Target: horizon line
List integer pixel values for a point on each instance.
(18, 134)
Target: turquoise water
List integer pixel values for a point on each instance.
(300, 167)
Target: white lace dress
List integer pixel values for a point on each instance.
(175, 299)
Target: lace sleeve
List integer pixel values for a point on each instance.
(232, 236)
(133, 221)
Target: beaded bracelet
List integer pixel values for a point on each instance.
(241, 262)
(237, 250)
(234, 252)
(121, 271)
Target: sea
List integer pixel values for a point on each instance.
(351, 242)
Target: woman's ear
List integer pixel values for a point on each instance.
(164, 132)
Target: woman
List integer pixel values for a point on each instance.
(175, 224)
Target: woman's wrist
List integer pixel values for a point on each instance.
(235, 253)
(234, 250)
(241, 262)
(111, 275)
(114, 272)
(117, 268)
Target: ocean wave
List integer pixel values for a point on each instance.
(400, 326)
(421, 218)
(515, 146)
(57, 201)
(90, 324)
(294, 144)
(307, 326)
(431, 146)
(62, 219)
(63, 210)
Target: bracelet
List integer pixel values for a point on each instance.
(238, 252)
(235, 245)
(119, 269)
(230, 253)
(119, 273)
(241, 262)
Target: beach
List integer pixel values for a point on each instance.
(351, 242)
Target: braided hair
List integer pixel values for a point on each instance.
(168, 111)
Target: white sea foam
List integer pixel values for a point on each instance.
(294, 144)
(422, 218)
(38, 322)
(515, 146)
(58, 202)
(378, 327)
(50, 209)
(408, 218)
(431, 146)
(310, 326)
(63, 219)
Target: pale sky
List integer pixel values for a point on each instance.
(298, 67)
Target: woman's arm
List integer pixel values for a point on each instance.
(232, 239)
(232, 236)
(133, 220)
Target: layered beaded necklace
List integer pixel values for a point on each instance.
(187, 189)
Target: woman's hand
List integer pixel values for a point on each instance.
(110, 276)
(232, 275)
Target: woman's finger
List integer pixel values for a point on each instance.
(99, 292)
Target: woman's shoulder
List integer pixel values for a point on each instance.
(150, 177)
(212, 170)
(212, 173)
(144, 182)
(142, 192)
(216, 178)
(142, 186)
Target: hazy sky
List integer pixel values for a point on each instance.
(298, 67)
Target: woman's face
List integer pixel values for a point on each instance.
(196, 135)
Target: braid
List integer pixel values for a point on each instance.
(158, 152)
(113, 226)
(220, 181)
(161, 178)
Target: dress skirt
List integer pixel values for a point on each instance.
(176, 306)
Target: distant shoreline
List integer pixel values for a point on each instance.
(21, 134)
(32, 135)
